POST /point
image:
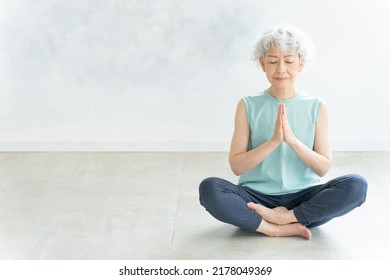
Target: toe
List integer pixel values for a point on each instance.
(251, 205)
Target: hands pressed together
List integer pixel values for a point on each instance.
(283, 132)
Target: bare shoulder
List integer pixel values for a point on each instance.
(321, 141)
(241, 105)
(323, 113)
(241, 133)
(241, 114)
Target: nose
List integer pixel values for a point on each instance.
(281, 67)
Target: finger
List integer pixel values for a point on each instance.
(284, 112)
(284, 122)
(279, 115)
(281, 110)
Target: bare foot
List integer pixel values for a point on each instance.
(278, 215)
(295, 229)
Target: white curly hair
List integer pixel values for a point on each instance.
(286, 38)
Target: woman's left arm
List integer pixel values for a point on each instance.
(318, 159)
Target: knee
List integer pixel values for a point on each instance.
(208, 189)
(207, 185)
(359, 187)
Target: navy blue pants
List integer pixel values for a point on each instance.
(312, 207)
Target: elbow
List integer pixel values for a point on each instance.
(322, 173)
(235, 168)
(236, 171)
(324, 170)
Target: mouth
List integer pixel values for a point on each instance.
(280, 78)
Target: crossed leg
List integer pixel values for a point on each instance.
(278, 215)
(279, 221)
(231, 204)
(295, 229)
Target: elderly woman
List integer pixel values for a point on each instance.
(280, 149)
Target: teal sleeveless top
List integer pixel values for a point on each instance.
(282, 171)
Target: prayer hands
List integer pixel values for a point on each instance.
(283, 132)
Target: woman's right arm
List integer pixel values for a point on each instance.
(242, 160)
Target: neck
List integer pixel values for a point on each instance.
(282, 93)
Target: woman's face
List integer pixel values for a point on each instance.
(281, 68)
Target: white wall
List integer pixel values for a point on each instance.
(167, 75)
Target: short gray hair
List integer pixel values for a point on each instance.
(286, 38)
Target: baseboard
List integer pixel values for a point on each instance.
(114, 146)
(364, 146)
(159, 146)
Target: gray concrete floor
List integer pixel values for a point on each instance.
(145, 206)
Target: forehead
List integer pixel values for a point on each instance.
(274, 52)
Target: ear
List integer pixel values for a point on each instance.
(300, 66)
(262, 64)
